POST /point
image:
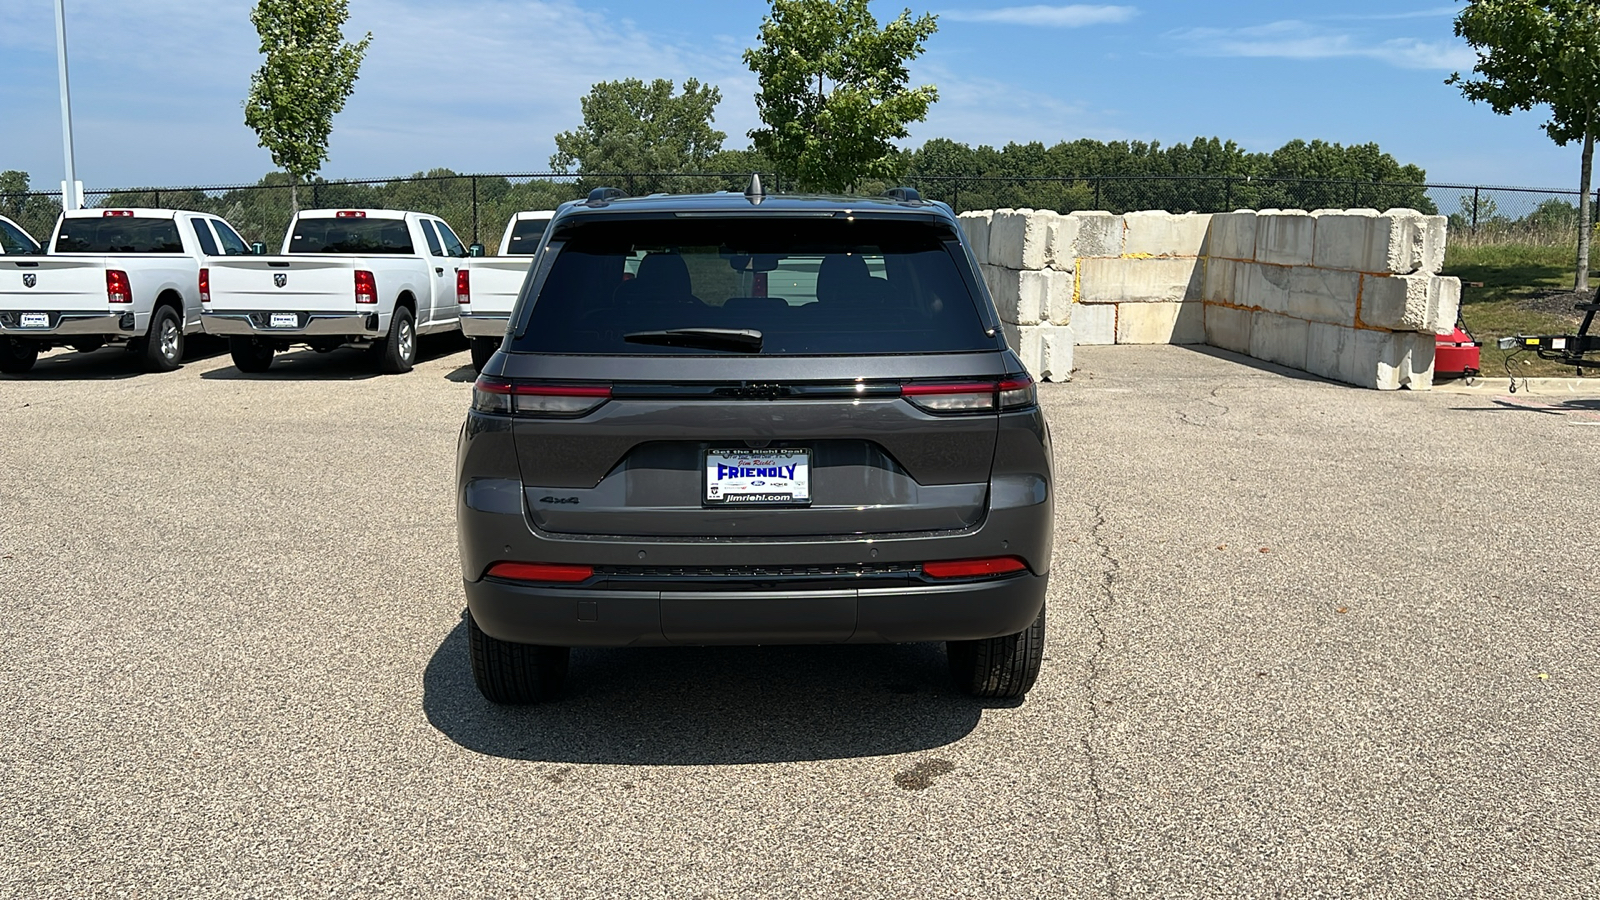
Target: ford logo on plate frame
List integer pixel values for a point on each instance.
(280, 278)
(29, 279)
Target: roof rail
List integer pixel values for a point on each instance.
(601, 196)
(903, 194)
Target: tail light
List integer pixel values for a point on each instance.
(526, 398)
(205, 285)
(366, 287)
(117, 288)
(463, 286)
(117, 213)
(351, 214)
(974, 568)
(563, 574)
(957, 397)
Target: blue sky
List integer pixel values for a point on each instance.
(482, 85)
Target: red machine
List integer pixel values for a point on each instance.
(1456, 355)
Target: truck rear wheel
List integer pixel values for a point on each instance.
(482, 349)
(17, 356)
(161, 349)
(515, 674)
(397, 352)
(1002, 668)
(250, 354)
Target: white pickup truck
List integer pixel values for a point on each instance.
(493, 283)
(132, 276)
(15, 241)
(373, 278)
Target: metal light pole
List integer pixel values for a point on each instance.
(69, 188)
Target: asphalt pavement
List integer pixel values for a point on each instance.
(1306, 640)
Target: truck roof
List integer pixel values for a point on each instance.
(143, 212)
(359, 213)
(731, 203)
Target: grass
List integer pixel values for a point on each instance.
(1513, 275)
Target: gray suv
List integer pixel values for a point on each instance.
(749, 419)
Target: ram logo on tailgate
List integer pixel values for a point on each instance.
(29, 279)
(280, 278)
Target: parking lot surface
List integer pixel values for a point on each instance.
(1306, 640)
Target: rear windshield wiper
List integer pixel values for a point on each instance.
(746, 339)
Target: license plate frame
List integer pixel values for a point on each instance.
(283, 320)
(792, 488)
(33, 320)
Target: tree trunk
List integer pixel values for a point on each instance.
(294, 195)
(1585, 207)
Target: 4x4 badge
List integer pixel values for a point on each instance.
(280, 279)
(29, 279)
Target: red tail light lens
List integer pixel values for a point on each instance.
(463, 286)
(117, 213)
(117, 288)
(366, 287)
(548, 572)
(205, 285)
(955, 398)
(351, 214)
(974, 568)
(526, 398)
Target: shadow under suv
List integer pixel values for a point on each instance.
(748, 419)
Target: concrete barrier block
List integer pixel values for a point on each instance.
(1095, 324)
(1050, 292)
(1407, 302)
(1160, 233)
(1420, 361)
(1045, 350)
(1138, 280)
(1330, 350)
(1063, 242)
(1228, 327)
(1285, 237)
(1278, 339)
(1262, 286)
(1445, 295)
(975, 225)
(1099, 234)
(1341, 238)
(1324, 295)
(1232, 235)
(1395, 242)
(1435, 231)
(1219, 284)
(1389, 360)
(1161, 323)
(1005, 286)
(1020, 238)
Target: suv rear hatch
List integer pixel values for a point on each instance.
(756, 376)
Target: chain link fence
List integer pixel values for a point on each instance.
(480, 205)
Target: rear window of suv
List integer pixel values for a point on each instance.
(809, 286)
(118, 234)
(368, 237)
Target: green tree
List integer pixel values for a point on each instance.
(310, 71)
(35, 212)
(834, 92)
(1541, 53)
(630, 126)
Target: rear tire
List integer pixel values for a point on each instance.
(161, 349)
(17, 356)
(515, 674)
(251, 355)
(397, 352)
(482, 350)
(1001, 668)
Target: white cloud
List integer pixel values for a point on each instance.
(1075, 15)
(1301, 40)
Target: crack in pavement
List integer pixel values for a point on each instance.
(1091, 678)
(1183, 414)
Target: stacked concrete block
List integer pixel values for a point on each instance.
(1160, 233)
(1095, 324)
(1032, 289)
(975, 225)
(1285, 237)
(1124, 280)
(1161, 323)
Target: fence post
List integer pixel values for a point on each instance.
(1475, 212)
(1227, 187)
(1097, 204)
(475, 209)
(316, 194)
(157, 203)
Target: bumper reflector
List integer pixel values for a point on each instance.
(519, 571)
(974, 568)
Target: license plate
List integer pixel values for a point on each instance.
(758, 477)
(284, 320)
(35, 320)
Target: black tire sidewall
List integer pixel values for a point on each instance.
(153, 358)
(16, 356)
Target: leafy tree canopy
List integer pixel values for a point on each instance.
(631, 126)
(834, 92)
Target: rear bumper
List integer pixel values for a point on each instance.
(579, 617)
(312, 324)
(76, 324)
(484, 326)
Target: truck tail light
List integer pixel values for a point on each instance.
(974, 568)
(351, 214)
(117, 213)
(463, 286)
(527, 398)
(366, 287)
(519, 571)
(205, 285)
(955, 398)
(117, 288)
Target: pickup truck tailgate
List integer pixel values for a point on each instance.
(286, 283)
(496, 282)
(58, 284)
